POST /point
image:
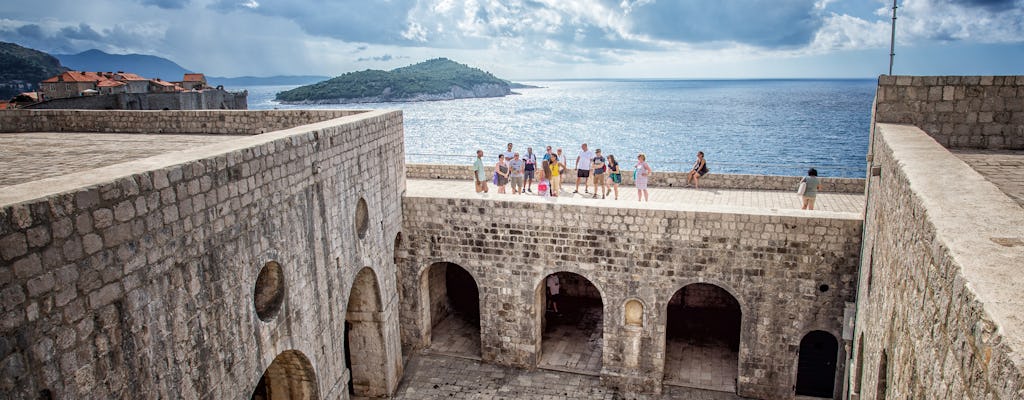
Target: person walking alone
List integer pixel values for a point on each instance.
(811, 187)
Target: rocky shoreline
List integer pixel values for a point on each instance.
(456, 92)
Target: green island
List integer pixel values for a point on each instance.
(21, 69)
(436, 79)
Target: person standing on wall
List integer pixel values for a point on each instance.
(556, 175)
(501, 173)
(641, 171)
(530, 160)
(508, 153)
(518, 167)
(479, 174)
(810, 185)
(583, 168)
(598, 168)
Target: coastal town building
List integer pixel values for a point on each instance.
(128, 91)
(293, 254)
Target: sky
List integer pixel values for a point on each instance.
(540, 39)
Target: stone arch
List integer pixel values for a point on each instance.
(817, 364)
(882, 385)
(365, 354)
(449, 307)
(703, 325)
(290, 376)
(570, 334)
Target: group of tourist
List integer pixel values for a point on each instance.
(593, 169)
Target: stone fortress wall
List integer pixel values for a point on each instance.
(774, 265)
(939, 305)
(195, 272)
(151, 122)
(660, 178)
(209, 99)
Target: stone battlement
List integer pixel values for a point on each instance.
(217, 122)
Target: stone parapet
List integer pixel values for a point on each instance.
(146, 279)
(984, 112)
(939, 305)
(775, 263)
(225, 122)
(661, 179)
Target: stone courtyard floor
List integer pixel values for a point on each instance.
(433, 376)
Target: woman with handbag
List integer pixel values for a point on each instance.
(808, 190)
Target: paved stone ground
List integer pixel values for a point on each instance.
(701, 366)
(659, 197)
(456, 335)
(431, 376)
(26, 157)
(572, 340)
(1004, 168)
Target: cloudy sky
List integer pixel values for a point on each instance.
(537, 39)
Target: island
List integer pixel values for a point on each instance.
(436, 79)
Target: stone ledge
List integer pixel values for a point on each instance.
(661, 179)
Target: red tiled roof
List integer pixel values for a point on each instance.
(194, 78)
(76, 76)
(161, 83)
(110, 83)
(124, 76)
(5, 105)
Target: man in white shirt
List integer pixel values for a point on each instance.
(509, 153)
(583, 169)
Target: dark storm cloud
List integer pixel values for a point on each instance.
(993, 5)
(166, 4)
(30, 31)
(776, 23)
(82, 32)
(379, 22)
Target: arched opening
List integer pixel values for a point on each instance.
(816, 368)
(364, 338)
(702, 338)
(451, 310)
(571, 322)
(289, 377)
(883, 377)
(268, 294)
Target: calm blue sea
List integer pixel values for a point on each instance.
(777, 127)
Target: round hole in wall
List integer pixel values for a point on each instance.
(269, 292)
(823, 288)
(362, 218)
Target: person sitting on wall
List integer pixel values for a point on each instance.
(700, 168)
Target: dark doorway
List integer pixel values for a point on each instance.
(816, 370)
(289, 377)
(451, 310)
(572, 324)
(702, 338)
(364, 337)
(348, 357)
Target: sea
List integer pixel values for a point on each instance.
(774, 127)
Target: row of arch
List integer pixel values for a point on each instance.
(699, 315)
(291, 375)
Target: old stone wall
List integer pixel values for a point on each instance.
(773, 263)
(161, 283)
(197, 122)
(662, 179)
(938, 311)
(211, 99)
(958, 111)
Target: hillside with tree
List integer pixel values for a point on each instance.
(437, 79)
(22, 68)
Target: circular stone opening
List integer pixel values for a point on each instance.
(362, 218)
(823, 288)
(269, 292)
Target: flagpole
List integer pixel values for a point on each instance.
(892, 40)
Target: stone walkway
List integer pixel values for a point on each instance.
(706, 367)
(1004, 168)
(726, 200)
(431, 376)
(26, 157)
